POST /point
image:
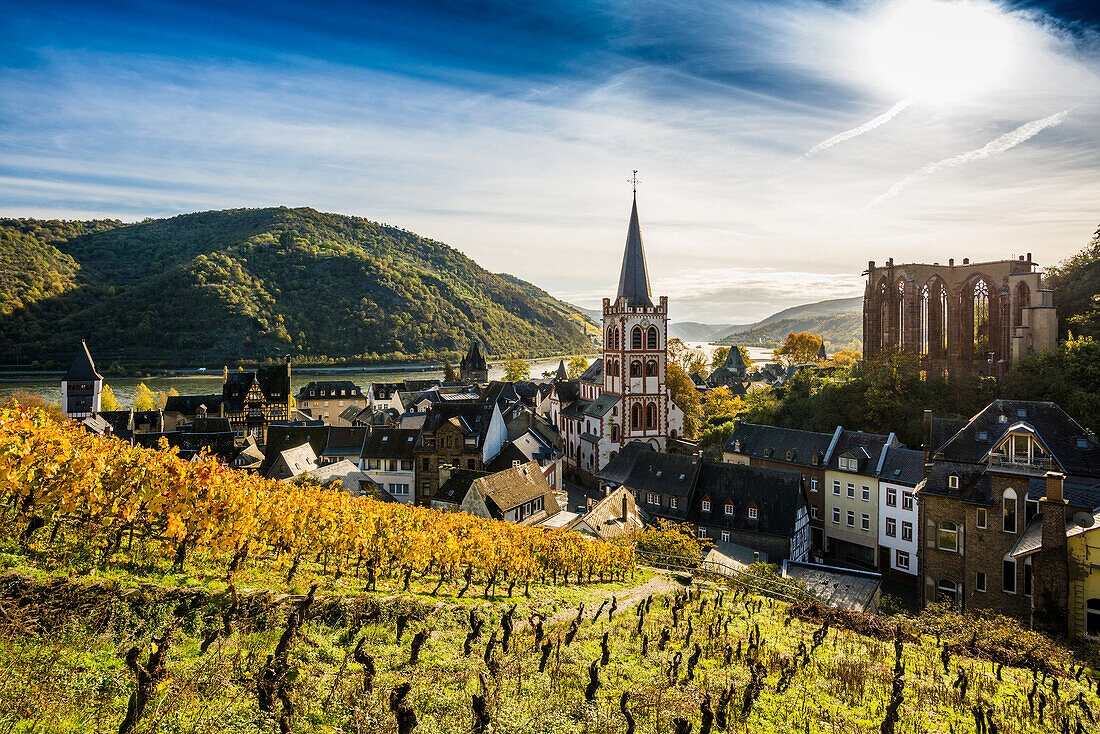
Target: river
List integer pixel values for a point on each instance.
(194, 383)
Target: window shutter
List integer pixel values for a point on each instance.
(930, 541)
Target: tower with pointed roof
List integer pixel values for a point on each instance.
(473, 367)
(635, 351)
(81, 387)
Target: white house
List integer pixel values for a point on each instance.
(898, 538)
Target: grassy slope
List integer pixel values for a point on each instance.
(68, 675)
(583, 321)
(265, 282)
(840, 331)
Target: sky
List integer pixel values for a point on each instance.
(780, 145)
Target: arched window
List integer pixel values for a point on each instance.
(636, 416)
(901, 315)
(947, 591)
(651, 338)
(1008, 504)
(609, 342)
(979, 319)
(1092, 617)
(614, 432)
(672, 433)
(884, 314)
(651, 368)
(933, 318)
(1022, 301)
(948, 537)
(923, 330)
(651, 415)
(636, 338)
(636, 368)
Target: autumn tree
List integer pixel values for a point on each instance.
(516, 370)
(719, 357)
(721, 402)
(690, 360)
(576, 367)
(801, 348)
(846, 357)
(144, 399)
(30, 400)
(107, 399)
(682, 391)
(450, 374)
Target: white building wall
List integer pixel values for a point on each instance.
(900, 515)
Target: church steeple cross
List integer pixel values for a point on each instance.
(634, 181)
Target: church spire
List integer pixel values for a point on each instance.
(634, 278)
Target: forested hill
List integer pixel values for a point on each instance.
(255, 283)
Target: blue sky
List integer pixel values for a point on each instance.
(780, 145)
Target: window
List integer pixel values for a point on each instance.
(706, 505)
(673, 503)
(813, 512)
(1009, 505)
(851, 518)
(651, 338)
(901, 560)
(702, 532)
(836, 488)
(948, 538)
(752, 513)
(651, 368)
(907, 531)
(471, 464)
(907, 501)
(866, 495)
(979, 518)
(636, 416)
(636, 368)
(651, 415)
(891, 527)
(1008, 575)
(891, 497)
(729, 508)
(813, 484)
(652, 498)
(399, 490)
(865, 521)
(836, 515)
(947, 592)
(851, 491)
(979, 582)
(725, 536)
(1092, 617)
(953, 481)
(636, 338)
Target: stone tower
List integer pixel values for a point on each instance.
(635, 349)
(81, 387)
(473, 367)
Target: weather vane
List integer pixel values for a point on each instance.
(634, 181)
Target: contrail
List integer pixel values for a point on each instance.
(866, 127)
(999, 145)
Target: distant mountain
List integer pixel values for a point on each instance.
(258, 283)
(692, 331)
(838, 321)
(583, 318)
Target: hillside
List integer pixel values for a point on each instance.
(838, 321)
(256, 283)
(693, 331)
(581, 317)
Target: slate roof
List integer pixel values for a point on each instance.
(865, 447)
(568, 391)
(189, 404)
(1054, 427)
(641, 468)
(83, 368)
(756, 440)
(903, 466)
(457, 485)
(385, 390)
(1079, 492)
(473, 359)
(594, 373)
(345, 440)
(251, 455)
(329, 389)
(776, 494)
(221, 445)
(472, 418)
(415, 385)
(561, 374)
(528, 446)
(606, 516)
(350, 413)
(280, 438)
(119, 420)
(299, 459)
(1030, 540)
(390, 443)
(943, 429)
(974, 485)
(602, 405)
(837, 587)
(575, 410)
(274, 382)
(344, 472)
(495, 392)
(97, 424)
(634, 278)
(514, 486)
(412, 421)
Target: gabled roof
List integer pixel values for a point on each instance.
(206, 424)
(1083, 493)
(454, 490)
(606, 516)
(473, 359)
(329, 389)
(345, 440)
(221, 445)
(274, 383)
(561, 374)
(390, 443)
(514, 486)
(594, 373)
(281, 438)
(83, 368)
(903, 466)
(495, 392)
(119, 420)
(473, 419)
(529, 446)
(775, 493)
(299, 459)
(600, 407)
(866, 447)
(757, 440)
(346, 473)
(575, 410)
(189, 404)
(974, 484)
(641, 468)
(1072, 447)
(634, 277)
(567, 392)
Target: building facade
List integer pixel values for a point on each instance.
(81, 387)
(978, 318)
(898, 519)
(851, 498)
(327, 400)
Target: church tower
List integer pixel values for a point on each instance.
(635, 350)
(81, 386)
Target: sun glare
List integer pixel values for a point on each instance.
(939, 51)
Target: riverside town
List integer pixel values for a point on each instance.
(820, 455)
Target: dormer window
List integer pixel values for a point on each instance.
(983, 436)
(1002, 419)
(953, 481)
(729, 508)
(752, 512)
(1021, 413)
(706, 505)
(1082, 443)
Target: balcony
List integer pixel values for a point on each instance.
(1021, 465)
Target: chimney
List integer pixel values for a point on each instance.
(625, 518)
(927, 435)
(1050, 570)
(1054, 487)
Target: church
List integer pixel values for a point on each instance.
(623, 396)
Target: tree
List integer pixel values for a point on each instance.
(516, 370)
(107, 400)
(450, 374)
(670, 539)
(719, 357)
(846, 357)
(576, 367)
(30, 401)
(162, 397)
(1076, 285)
(721, 402)
(690, 360)
(144, 399)
(682, 391)
(801, 348)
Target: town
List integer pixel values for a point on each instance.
(994, 513)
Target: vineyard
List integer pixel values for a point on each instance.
(199, 599)
(75, 500)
